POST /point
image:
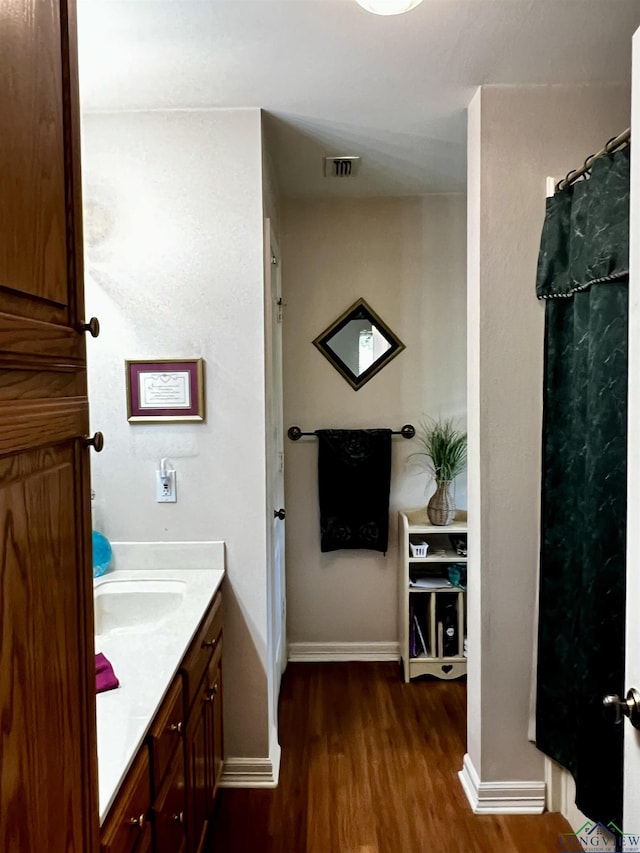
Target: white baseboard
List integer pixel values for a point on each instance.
(310, 652)
(500, 797)
(561, 795)
(253, 772)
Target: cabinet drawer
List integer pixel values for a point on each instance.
(169, 810)
(125, 828)
(166, 733)
(197, 658)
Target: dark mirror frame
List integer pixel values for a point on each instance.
(360, 310)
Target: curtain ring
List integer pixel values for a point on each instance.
(588, 163)
(606, 147)
(566, 180)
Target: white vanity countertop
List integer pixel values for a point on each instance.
(145, 660)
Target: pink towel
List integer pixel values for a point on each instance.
(105, 676)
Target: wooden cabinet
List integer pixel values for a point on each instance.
(173, 780)
(127, 829)
(48, 790)
(204, 645)
(166, 742)
(431, 609)
(169, 819)
(166, 733)
(203, 741)
(215, 682)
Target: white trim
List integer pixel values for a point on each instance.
(500, 797)
(253, 772)
(310, 652)
(561, 793)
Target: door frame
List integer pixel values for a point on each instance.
(631, 807)
(276, 584)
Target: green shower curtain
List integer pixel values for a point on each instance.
(583, 273)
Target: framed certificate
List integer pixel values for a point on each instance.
(167, 389)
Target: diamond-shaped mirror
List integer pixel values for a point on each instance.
(358, 344)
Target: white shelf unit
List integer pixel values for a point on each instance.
(426, 603)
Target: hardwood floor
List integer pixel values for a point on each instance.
(369, 765)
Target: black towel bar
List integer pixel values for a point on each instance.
(407, 431)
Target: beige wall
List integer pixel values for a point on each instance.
(406, 257)
(174, 267)
(517, 136)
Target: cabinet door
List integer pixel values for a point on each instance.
(145, 845)
(197, 769)
(126, 829)
(166, 734)
(215, 726)
(48, 783)
(169, 810)
(204, 751)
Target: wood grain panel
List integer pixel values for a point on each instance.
(21, 336)
(195, 745)
(32, 168)
(30, 424)
(48, 778)
(43, 677)
(128, 817)
(166, 733)
(369, 765)
(23, 384)
(217, 731)
(169, 811)
(198, 658)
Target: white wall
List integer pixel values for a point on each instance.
(406, 257)
(517, 136)
(174, 268)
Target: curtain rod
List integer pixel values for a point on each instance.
(407, 431)
(611, 146)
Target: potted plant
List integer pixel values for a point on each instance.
(444, 455)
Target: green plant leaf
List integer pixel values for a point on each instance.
(444, 452)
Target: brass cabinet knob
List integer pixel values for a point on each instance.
(97, 442)
(138, 822)
(93, 327)
(214, 689)
(209, 644)
(178, 817)
(176, 727)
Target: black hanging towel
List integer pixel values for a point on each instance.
(354, 477)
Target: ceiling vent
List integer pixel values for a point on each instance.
(341, 167)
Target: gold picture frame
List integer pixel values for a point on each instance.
(163, 390)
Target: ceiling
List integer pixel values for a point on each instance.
(335, 79)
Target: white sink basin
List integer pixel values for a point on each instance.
(133, 605)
